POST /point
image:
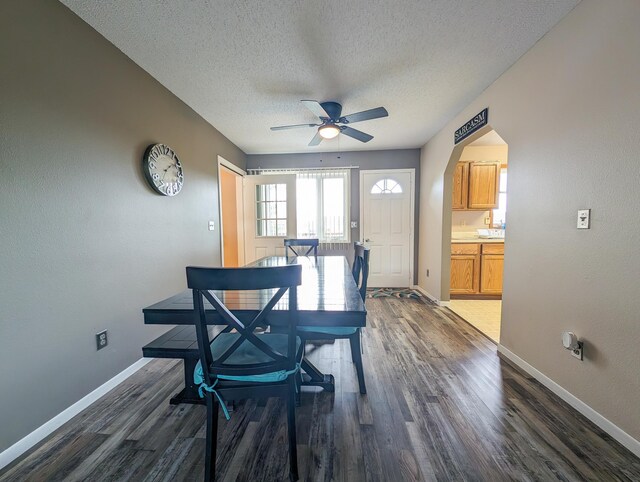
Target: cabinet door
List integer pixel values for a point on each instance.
(464, 274)
(484, 181)
(460, 185)
(491, 274)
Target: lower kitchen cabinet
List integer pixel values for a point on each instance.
(476, 268)
(465, 268)
(491, 266)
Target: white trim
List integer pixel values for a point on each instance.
(230, 165)
(430, 296)
(412, 183)
(39, 434)
(284, 170)
(612, 429)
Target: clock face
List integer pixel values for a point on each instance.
(163, 170)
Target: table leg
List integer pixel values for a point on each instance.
(315, 378)
(189, 394)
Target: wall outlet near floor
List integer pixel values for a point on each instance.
(101, 340)
(577, 352)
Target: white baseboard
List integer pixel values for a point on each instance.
(612, 429)
(24, 444)
(430, 296)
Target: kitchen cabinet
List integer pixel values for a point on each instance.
(491, 267)
(475, 185)
(465, 268)
(476, 269)
(460, 185)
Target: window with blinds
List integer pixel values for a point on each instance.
(322, 204)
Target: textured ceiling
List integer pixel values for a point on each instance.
(245, 65)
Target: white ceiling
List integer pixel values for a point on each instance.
(244, 65)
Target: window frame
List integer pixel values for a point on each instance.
(386, 191)
(345, 176)
(503, 167)
(275, 201)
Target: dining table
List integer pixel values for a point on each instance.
(327, 297)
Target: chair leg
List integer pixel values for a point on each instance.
(298, 378)
(212, 438)
(354, 348)
(291, 424)
(356, 355)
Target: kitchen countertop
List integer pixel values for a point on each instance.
(477, 240)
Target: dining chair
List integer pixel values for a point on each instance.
(360, 272)
(239, 364)
(291, 244)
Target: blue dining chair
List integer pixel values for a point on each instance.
(360, 272)
(290, 244)
(238, 363)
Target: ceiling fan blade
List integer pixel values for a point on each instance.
(317, 139)
(315, 107)
(364, 115)
(296, 126)
(356, 134)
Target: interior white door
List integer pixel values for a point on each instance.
(387, 226)
(269, 214)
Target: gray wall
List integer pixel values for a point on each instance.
(568, 109)
(85, 242)
(390, 159)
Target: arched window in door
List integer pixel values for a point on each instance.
(386, 186)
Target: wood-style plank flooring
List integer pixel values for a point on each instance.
(441, 405)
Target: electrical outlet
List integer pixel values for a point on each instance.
(427, 272)
(212, 226)
(101, 340)
(577, 352)
(354, 224)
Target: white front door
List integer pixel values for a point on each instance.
(269, 214)
(386, 200)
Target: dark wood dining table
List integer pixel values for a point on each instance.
(327, 297)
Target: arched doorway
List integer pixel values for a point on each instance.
(473, 240)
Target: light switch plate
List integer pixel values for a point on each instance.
(584, 218)
(211, 226)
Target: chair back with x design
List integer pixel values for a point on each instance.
(310, 243)
(208, 283)
(249, 365)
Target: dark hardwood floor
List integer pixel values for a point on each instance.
(441, 405)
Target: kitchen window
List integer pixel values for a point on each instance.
(500, 213)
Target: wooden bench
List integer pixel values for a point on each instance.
(180, 342)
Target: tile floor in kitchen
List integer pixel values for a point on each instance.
(482, 314)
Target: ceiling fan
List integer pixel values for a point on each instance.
(330, 114)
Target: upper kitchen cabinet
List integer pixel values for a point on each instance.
(461, 185)
(475, 185)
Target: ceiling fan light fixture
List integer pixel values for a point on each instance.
(329, 131)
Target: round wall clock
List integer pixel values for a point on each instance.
(163, 169)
